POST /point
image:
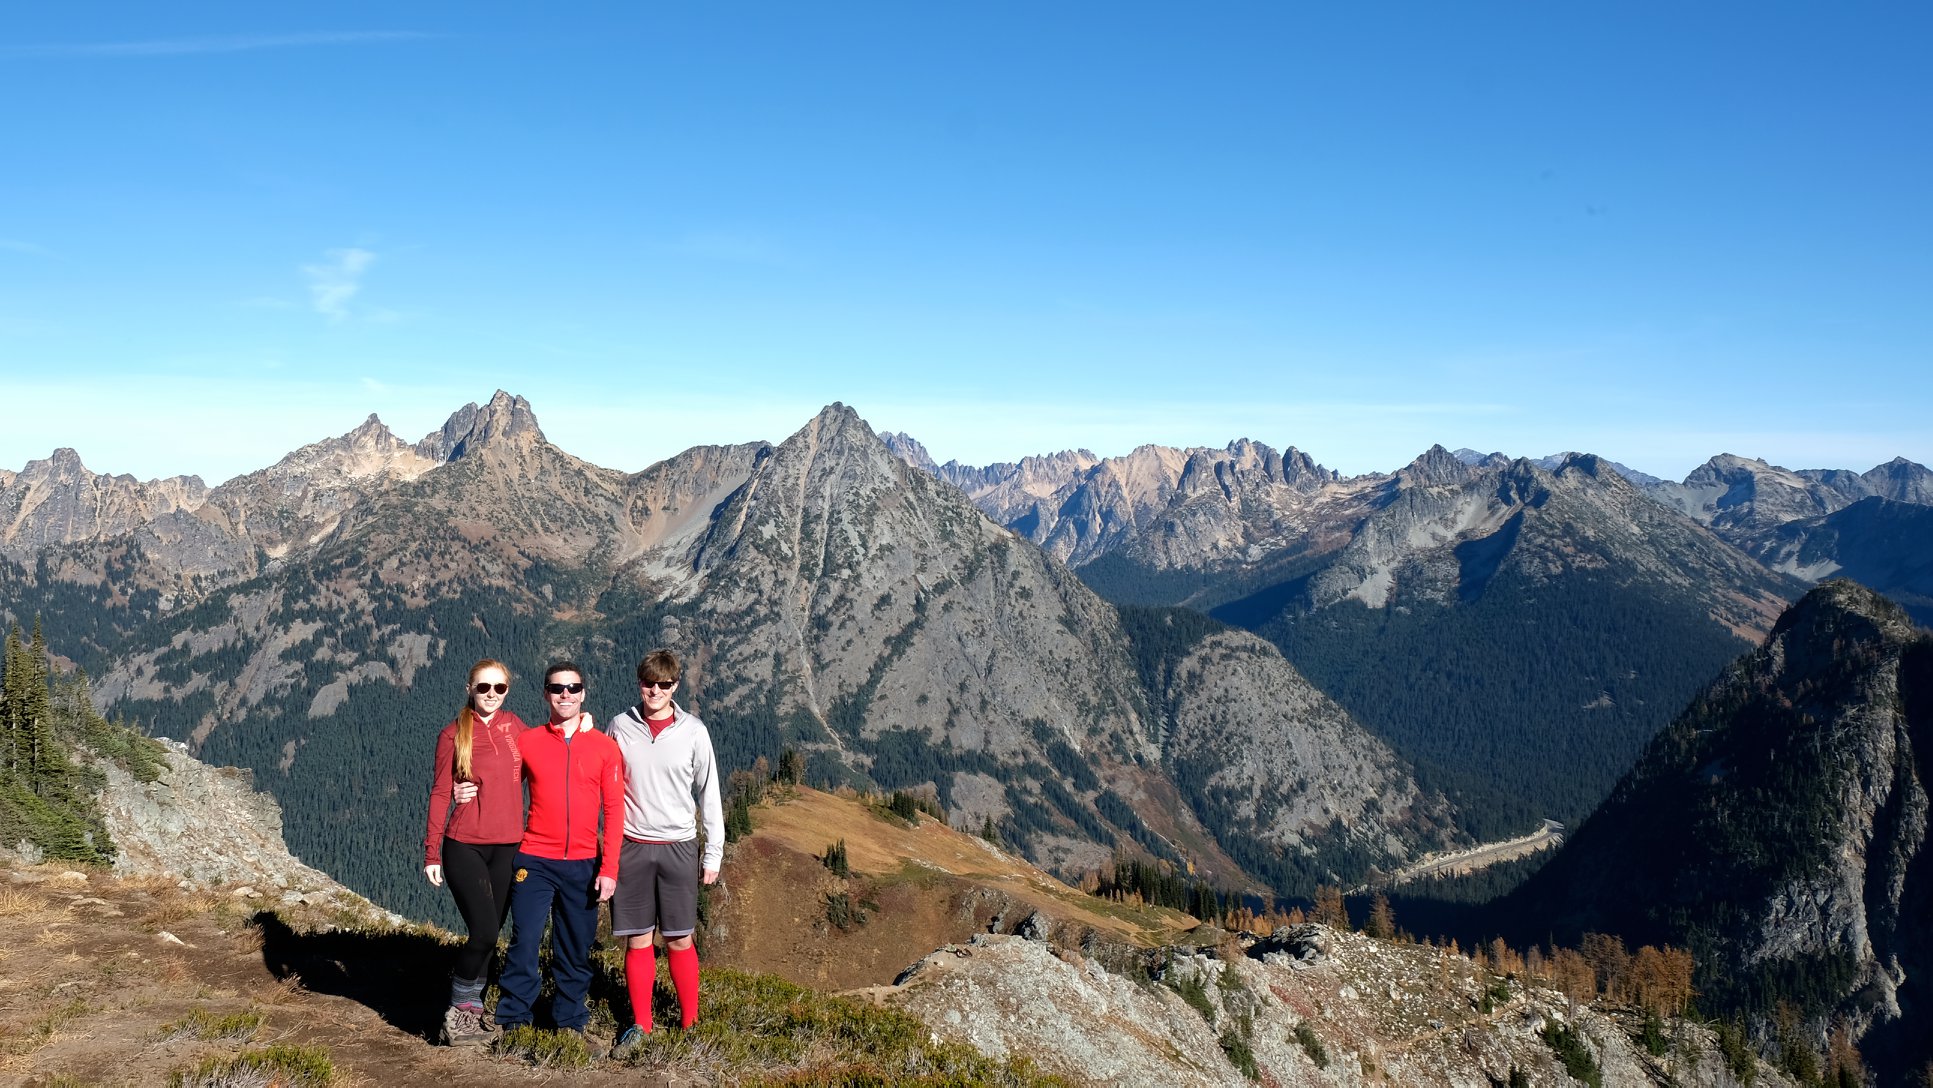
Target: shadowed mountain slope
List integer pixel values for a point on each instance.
(1778, 828)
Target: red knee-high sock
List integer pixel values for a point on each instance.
(684, 976)
(640, 972)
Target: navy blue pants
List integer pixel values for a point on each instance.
(565, 894)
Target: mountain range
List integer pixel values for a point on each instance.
(314, 622)
(1518, 628)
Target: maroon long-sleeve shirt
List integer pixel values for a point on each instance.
(496, 766)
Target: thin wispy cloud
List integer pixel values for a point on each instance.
(15, 245)
(332, 285)
(233, 43)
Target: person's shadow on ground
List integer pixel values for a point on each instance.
(402, 977)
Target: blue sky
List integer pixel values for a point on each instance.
(1656, 232)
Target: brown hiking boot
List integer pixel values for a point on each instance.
(464, 1027)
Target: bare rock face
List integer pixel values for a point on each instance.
(1177, 507)
(1375, 1013)
(1232, 508)
(1286, 769)
(208, 826)
(302, 498)
(58, 501)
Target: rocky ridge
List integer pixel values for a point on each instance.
(1374, 1012)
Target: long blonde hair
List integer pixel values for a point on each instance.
(466, 719)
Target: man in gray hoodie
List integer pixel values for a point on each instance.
(670, 776)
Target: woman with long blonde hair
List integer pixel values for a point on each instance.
(472, 845)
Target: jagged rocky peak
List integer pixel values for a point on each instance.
(64, 466)
(370, 449)
(838, 431)
(1902, 481)
(1437, 467)
(506, 419)
(56, 500)
(909, 449)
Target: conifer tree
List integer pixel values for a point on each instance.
(1382, 919)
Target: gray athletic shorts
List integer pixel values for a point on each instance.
(657, 888)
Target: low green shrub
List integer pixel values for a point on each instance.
(1312, 1046)
(202, 1024)
(289, 1066)
(545, 1049)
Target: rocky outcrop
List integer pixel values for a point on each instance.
(207, 826)
(1372, 1013)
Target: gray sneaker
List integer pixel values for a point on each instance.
(464, 1027)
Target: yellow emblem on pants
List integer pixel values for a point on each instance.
(521, 873)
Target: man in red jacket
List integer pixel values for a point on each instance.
(566, 864)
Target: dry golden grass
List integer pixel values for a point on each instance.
(151, 883)
(164, 916)
(18, 902)
(288, 991)
(53, 937)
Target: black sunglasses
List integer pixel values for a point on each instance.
(482, 688)
(559, 689)
(661, 685)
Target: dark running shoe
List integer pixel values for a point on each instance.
(628, 1043)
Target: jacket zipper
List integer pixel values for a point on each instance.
(567, 798)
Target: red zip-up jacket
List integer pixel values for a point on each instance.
(572, 783)
(497, 814)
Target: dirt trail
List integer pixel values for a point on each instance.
(92, 967)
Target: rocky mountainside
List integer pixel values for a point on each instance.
(1744, 499)
(58, 501)
(1179, 507)
(1550, 463)
(1435, 603)
(829, 598)
(1284, 770)
(1778, 828)
(1503, 624)
(876, 620)
(1881, 544)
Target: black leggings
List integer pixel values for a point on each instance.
(479, 878)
